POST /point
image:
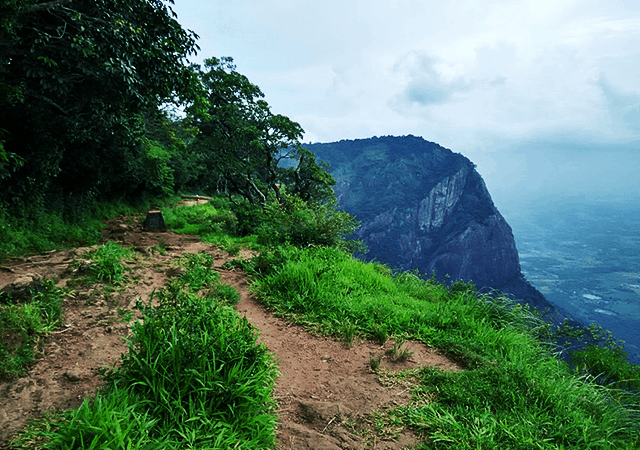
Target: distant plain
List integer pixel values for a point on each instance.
(585, 258)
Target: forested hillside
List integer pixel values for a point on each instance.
(98, 102)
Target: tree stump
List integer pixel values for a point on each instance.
(154, 222)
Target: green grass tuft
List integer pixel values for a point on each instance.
(194, 377)
(26, 315)
(104, 264)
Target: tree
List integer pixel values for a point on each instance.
(242, 142)
(77, 78)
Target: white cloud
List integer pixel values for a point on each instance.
(482, 77)
(623, 106)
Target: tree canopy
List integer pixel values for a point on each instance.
(87, 90)
(243, 142)
(78, 80)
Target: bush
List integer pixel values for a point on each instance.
(200, 219)
(299, 223)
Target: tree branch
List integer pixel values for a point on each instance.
(52, 103)
(46, 6)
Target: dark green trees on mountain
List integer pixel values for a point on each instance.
(78, 81)
(98, 101)
(242, 142)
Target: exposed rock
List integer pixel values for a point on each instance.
(26, 279)
(300, 437)
(321, 413)
(425, 207)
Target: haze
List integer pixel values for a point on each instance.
(544, 96)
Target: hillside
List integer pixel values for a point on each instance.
(250, 324)
(98, 316)
(364, 359)
(426, 208)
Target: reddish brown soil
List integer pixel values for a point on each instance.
(327, 393)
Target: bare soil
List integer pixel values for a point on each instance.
(328, 395)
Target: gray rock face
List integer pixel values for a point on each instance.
(439, 205)
(423, 207)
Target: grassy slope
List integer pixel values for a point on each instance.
(513, 395)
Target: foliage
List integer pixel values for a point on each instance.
(195, 376)
(241, 142)
(608, 365)
(201, 219)
(199, 273)
(302, 223)
(297, 222)
(47, 231)
(104, 264)
(77, 80)
(26, 314)
(157, 174)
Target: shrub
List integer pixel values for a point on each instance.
(298, 223)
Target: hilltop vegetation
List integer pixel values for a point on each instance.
(89, 98)
(195, 377)
(99, 103)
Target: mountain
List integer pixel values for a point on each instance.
(425, 207)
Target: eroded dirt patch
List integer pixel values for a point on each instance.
(326, 391)
(95, 320)
(326, 388)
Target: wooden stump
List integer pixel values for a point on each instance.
(154, 222)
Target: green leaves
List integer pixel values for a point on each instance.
(243, 143)
(76, 80)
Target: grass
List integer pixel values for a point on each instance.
(374, 362)
(399, 353)
(40, 230)
(213, 222)
(27, 314)
(46, 231)
(514, 393)
(194, 377)
(105, 263)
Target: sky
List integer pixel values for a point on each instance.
(542, 95)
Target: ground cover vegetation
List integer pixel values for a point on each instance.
(194, 376)
(27, 314)
(515, 393)
(179, 382)
(32, 310)
(88, 91)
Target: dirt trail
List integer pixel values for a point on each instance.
(326, 391)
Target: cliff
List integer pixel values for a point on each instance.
(425, 207)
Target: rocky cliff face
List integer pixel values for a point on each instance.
(424, 207)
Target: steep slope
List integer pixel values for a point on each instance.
(425, 207)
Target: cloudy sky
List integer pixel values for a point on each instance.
(543, 95)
